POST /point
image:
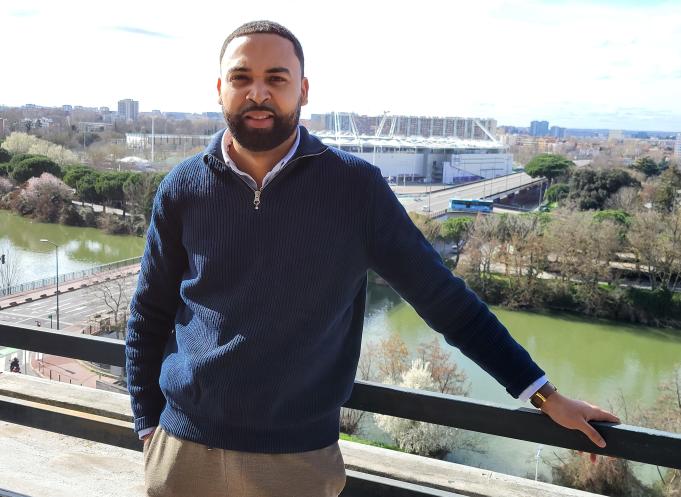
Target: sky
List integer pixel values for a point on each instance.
(612, 64)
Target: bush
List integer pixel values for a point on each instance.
(43, 198)
(414, 436)
(90, 218)
(607, 476)
(114, 225)
(5, 156)
(70, 216)
(34, 167)
(5, 186)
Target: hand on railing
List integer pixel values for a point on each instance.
(576, 414)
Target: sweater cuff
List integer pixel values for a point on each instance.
(146, 422)
(532, 388)
(145, 431)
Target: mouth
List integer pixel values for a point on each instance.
(259, 119)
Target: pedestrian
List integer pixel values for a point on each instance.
(14, 366)
(245, 328)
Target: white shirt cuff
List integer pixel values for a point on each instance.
(530, 391)
(145, 431)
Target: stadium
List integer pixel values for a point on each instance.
(418, 148)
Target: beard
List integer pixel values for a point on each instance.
(261, 140)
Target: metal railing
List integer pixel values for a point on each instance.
(63, 278)
(624, 441)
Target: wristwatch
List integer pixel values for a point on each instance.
(544, 392)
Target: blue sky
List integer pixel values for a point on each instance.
(611, 64)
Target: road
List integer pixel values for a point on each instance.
(75, 307)
(439, 200)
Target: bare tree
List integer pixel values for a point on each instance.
(115, 296)
(447, 376)
(12, 270)
(656, 240)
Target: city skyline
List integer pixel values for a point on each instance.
(575, 64)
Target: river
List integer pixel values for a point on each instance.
(600, 361)
(79, 248)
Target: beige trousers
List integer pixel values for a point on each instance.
(180, 468)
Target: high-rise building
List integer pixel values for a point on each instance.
(128, 109)
(539, 128)
(615, 134)
(677, 147)
(557, 132)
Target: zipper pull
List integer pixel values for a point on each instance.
(256, 200)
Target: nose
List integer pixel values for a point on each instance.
(259, 92)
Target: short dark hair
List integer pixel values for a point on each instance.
(266, 27)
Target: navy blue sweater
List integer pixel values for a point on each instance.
(267, 304)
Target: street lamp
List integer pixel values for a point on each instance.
(56, 254)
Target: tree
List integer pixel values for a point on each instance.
(549, 166)
(523, 254)
(455, 231)
(666, 196)
(647, 166)
(446, 375)
(557, 192)
(84, 179)
(114, 295)
(655, 238)
(33, 168)
(582, 249)
(11, 272)
(590, 188)
(393, 359)
(110, 188)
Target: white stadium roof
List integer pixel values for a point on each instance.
(347, 139)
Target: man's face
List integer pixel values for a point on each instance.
(261, 90)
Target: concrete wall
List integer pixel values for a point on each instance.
(397, 163)
(484, 165)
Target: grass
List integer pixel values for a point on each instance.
(364, 441)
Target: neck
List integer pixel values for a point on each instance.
(258, 164)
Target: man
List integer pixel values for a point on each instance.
(256, 257)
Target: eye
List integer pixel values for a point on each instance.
(238, 77)
(277, 79)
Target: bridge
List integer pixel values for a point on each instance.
(491, 189)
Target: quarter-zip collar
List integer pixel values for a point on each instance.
(212, 155)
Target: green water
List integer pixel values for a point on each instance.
(607, 363)
(79, 248)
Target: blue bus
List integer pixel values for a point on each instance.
(470, 205)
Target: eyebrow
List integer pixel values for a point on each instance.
(272, 70)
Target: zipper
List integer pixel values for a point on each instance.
(257, 193)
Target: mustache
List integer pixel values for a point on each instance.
(258, 107)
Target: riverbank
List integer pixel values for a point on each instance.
(659, 308)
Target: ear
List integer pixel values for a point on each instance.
(304, 88)
(219, 85)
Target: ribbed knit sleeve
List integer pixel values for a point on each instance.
(153, 307)
(401, 255)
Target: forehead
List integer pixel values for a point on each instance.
(260, 52)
